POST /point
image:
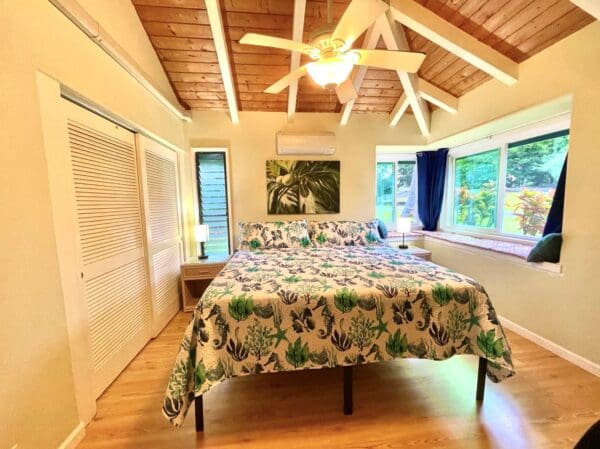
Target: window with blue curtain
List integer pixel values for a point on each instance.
(213, 207)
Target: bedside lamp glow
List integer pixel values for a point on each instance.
(201, 236)
(403, 226)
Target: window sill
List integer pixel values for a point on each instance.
(515, 252)
(413, 236)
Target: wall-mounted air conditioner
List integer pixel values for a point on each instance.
(322, 143)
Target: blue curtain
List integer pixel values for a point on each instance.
(431, 173)
(555, 216)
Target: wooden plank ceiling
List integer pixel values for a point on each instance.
(181, 35)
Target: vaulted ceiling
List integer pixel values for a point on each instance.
(181, 35)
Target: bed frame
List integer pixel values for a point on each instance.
(348, 403)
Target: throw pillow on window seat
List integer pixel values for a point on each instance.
(382, 228)
(547, 249)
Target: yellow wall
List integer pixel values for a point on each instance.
(37, 404)
(252, 142)
(562, 309)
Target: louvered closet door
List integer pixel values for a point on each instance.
(110, 240)
(160, 187)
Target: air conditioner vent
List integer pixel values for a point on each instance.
(321, 143)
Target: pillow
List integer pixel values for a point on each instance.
(276, 234)
(344, 233)
(382, 228)
(547, 249)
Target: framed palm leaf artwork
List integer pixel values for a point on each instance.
(303, 187)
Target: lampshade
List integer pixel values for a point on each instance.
(332, 71)
(403, 224)
(201, 232)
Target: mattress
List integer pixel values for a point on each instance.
(319, 307)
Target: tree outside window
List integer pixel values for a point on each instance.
(530, 170)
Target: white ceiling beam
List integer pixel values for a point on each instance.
(216, 27)
(592, 7)
(399, 109)
(297, 35)
(395, 39)
(437, 96)
(448, 36)
(370, 42)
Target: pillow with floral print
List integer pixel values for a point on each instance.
(275, 234)
(344, 233)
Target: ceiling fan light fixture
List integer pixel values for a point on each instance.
(332, 72)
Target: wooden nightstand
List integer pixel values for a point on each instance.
(196, 275)
(416, 251)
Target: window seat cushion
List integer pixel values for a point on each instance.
(520, 250)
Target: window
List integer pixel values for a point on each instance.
(505, 184)
(213, 200)
(476, 189)
(396, 188)
(532, 170)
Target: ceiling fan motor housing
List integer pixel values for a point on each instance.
(321, 39)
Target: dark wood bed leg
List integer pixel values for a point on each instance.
(481, 378)
(199, 414)
(348, 407)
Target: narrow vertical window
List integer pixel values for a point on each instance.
(386, 193)
(396, 189)
(213, 206)
(406, 189)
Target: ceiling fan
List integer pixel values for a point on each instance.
(331, 49)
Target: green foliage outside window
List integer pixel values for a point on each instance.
(395, 190)
(476, 181)
(532, 170)
(385, 191)
(532, 210)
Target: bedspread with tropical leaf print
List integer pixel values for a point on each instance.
(291, 309)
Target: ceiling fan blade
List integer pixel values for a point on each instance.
(263, 40)
(405, 61)
(346, 91)
(288, 79)
(359, 15)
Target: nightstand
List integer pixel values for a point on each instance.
(416, 251)
(196, 275)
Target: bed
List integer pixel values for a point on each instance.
(320, 307)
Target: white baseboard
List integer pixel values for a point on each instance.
(74, 437)
(563, 353)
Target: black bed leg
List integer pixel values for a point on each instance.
(481, 378)
(199, 414)
(348, 390)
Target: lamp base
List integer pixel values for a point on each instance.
(202, 257)
(402, 246)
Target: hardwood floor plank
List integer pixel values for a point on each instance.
(409, 403)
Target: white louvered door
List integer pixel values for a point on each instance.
(110, 240)
(160, 187)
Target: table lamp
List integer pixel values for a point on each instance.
(201, 236)
(403, 226)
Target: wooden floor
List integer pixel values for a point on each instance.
(405, 404)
